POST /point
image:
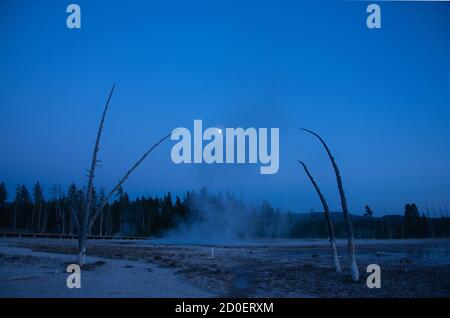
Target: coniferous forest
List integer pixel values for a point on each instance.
(30, 211)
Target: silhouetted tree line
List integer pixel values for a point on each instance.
(412, 224)
(34, 213)
(153, 216)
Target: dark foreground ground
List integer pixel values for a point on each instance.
(280, 268)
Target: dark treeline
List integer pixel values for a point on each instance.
(410, 225)
(34, 213)
(31, 211)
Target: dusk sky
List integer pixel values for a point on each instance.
(380, 98)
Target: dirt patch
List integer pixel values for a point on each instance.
(285, 271)
(24, 260)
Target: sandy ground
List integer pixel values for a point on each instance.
(279, 268)
(26, 273)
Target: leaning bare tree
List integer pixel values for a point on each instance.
(326, 211)
(348, 226)
(87, 212)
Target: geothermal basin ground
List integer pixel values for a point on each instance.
(35, 267)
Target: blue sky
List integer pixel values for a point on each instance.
(379, 97)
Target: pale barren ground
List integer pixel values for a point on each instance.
(275, 268)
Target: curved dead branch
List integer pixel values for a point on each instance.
(124, 178)
(90, 186)
(348, 226)
(326, 211)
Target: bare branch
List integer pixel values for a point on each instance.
(326, 211)
(319, 193)
(123, 179)
(75, 217)
(90, 186)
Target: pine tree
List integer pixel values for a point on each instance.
(167, 211)
(74, 203)
(4, 218)
(22, 207)
(38, 198)
(369, 214)
(411, 220)
(3, 194)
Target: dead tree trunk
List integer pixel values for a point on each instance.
(326, 211)
(348, 226)
(89, 213)
(88, 205)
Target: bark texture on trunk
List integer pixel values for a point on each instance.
(326, 211)
(348, 227)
